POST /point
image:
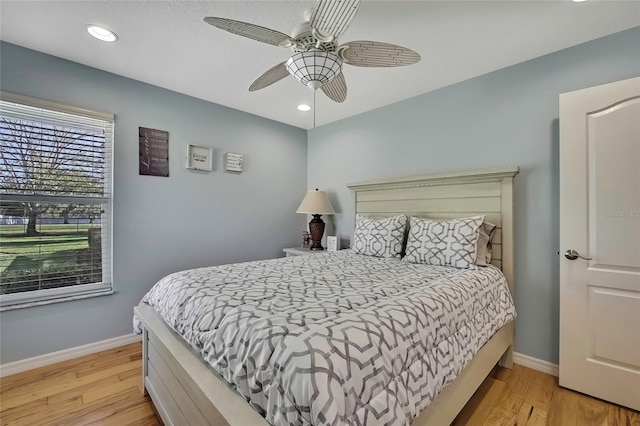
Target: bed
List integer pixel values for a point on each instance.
(186, 390)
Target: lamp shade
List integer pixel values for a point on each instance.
(315, 68)
(316, 202)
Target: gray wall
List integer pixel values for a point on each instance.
(193, 219)
(508, 117)
(161, 225)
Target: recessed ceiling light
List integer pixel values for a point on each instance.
(578, 1)
(101, 33)
(304, 107)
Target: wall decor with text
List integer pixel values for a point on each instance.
(154, 152)
(199, 157)
(233, 162)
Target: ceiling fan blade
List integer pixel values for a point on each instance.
(336, 89)
(376, 54)
(254, 32)
(271, 76)
(332, 17)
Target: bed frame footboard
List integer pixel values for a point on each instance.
(183, 388)
(185, 391)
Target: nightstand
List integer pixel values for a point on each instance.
(299, 251)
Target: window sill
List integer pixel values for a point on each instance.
(66, 298)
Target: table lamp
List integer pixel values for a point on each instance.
(316, 203)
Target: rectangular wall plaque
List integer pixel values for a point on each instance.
(154, 152)
(199, 157)
(233, 162)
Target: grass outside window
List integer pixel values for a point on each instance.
(60, 255)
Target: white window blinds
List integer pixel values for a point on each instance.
(55, 200)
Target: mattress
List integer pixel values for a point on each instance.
(335, 338)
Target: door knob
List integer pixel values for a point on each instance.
(573, 255)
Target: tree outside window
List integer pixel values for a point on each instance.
(54, 199)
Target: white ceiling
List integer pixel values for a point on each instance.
(166, 43)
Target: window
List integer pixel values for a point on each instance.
(55, 202)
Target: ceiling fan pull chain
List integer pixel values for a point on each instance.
(314, 108)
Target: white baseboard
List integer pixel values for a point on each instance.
(535, 363)
(66, 354)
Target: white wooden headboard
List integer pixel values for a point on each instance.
(486, 192)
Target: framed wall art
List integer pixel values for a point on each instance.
(199, 157)
(234, 162)
(154, 152)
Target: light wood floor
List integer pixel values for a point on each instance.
(104, 389)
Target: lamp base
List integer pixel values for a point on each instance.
(316, 228)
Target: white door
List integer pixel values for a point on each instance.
(600, 221)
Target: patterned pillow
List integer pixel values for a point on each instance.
(444, 243)
(379, 237)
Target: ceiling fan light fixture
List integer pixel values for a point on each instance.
(314, 68)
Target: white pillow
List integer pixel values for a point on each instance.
(379, 237)
(444, 243)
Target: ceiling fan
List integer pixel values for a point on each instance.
(317, 59)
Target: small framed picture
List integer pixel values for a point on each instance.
(199, 157)
(234, 162)
(333, 244)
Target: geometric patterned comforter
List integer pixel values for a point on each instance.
(337, 338)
